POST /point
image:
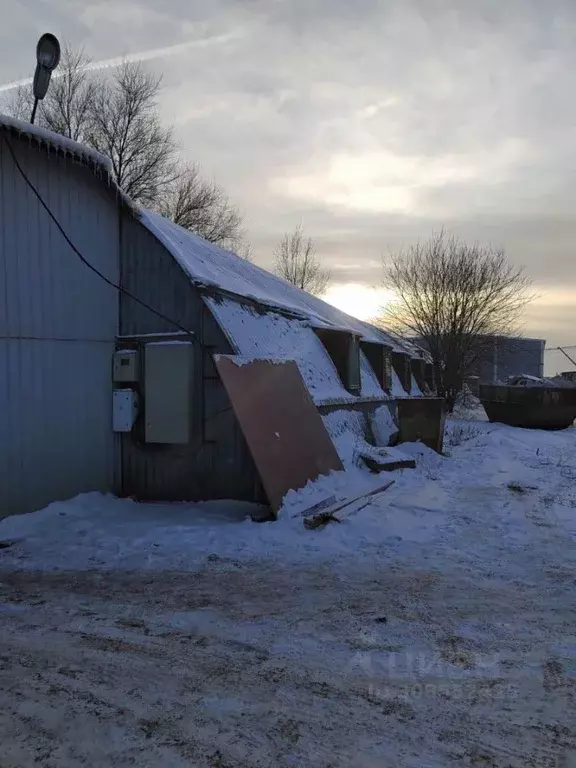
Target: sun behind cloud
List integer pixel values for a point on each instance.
(358, 300)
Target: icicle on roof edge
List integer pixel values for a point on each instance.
(86, 155)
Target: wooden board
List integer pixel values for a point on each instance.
(284, 431)
(328, 515)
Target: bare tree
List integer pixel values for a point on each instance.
(68, 108)
(245, 251)
(19, 104)
(202, 207)
(453, 297)
(125, 126)
(296, 262)
(116, 113)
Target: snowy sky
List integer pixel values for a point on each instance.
(371, 122)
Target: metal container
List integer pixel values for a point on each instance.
(529, 407)
(422, 419)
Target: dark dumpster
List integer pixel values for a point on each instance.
(529, 407)
(422, 419)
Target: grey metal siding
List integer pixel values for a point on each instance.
(149, 272)
(501, 356)
(58, 322)
(216, 463)
(505, 356)
(517, 356)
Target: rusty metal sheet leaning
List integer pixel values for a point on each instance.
(284, 431)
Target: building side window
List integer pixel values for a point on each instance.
(344, 350)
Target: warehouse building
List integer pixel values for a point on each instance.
(109, 329)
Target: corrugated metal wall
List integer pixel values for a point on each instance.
(216, 463)
(505, 356)
(57, 326)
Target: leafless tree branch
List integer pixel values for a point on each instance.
(245, 251)
(117, 114)
(202, 207)
(296, 262)
(453, 297)
(125, 126)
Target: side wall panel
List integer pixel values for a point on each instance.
(216, 463)
(58, 322)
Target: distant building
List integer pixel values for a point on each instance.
(504, 356)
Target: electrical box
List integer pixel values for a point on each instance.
(168, 367)
(124, 409)
(125, 366)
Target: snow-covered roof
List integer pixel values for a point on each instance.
(213, 267)
(99, 163)
(257, 334)
(56, 141)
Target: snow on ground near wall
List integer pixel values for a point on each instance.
(435, 627)
(94, 530)
(344, 420)
(347, 430)
(471, 410)
(383, 425)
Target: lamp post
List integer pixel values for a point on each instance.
(47, 58)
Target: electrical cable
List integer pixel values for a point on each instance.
(567, 355)
(96, 271)
(561, 349)
(82, 258)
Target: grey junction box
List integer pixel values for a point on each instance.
(125, 366)
(168, 383)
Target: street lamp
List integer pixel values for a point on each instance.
(47, 57)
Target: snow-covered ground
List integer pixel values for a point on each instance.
(434, 627)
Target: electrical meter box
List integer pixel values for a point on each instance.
(125, 369)
(168, 383)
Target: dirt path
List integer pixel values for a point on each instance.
(246, 665)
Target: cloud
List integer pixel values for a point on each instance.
(146, 55)
(370, 123)
(382, 181)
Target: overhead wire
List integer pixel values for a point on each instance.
(95, 270)
(83, 259)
